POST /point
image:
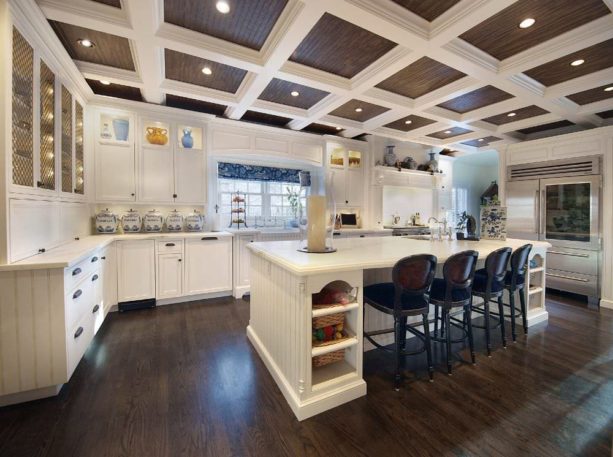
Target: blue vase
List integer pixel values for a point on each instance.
(121, 128)
(187, 141)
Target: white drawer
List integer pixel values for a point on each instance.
(74, 275)
(80, 300)
(170, 246)
(78, 338)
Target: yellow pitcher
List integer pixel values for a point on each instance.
(157, 135)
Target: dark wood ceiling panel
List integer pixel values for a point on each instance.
(340, 47)
(453, 131)
(266, 119)
(421, 77)
(606, 114)
(321, 129)
(476, 99)
(108, 49)
(188, 69)
(191, 104)
(414, 122)
(280, 91)
(522, 113)
(428, 9)
(115, 90)
(545, 127)
(597, 57)
(485, 141)
(592, 95)
(501, 37)
(248, 23)
(368, 110)
(114, 3)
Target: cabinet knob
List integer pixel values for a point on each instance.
(94, 259)
(77, 334)
(41, 250)
(180, 260)
(103, 257)
(174, 195)
(346, 202)
(132, 194)
(95, 310)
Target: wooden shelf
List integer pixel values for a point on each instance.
(408, 172)
(335, 309)
(321, 350)
(536, 270)
(332, 373)
(534, 290)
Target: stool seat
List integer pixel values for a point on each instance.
(437, 292)
(381, 296)
(480, 283)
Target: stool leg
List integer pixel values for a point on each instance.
(435, 320)
(469, 331)
(512, 303)
(397, 337)
(502, 329)
(403, 335)
(524, 316)
(447, 326)
(428, 346)
(486, 315)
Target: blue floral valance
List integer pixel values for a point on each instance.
(257, 173)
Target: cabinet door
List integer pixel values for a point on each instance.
(98, 305)
(208, 265)
(136, 270)
(354, 187)
(338, 185)
(244, 259)
(156, 177)
(189, 176)
(109, 277)
(169, 282)
(115, 172)
(66, 144)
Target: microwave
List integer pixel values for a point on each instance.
(350, 219)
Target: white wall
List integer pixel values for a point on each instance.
(406, 201)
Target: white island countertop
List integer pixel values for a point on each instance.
(367, 253)
(69, 254)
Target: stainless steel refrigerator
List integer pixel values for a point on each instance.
(558, 202)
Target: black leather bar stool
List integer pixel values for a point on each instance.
(489, 285)
(406, 296)
(451, 292)
(514, 281)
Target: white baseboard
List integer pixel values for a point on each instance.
(604, 303)
(239, 291)
(30, 395)
(184, 299)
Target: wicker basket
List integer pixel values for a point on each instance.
(330, 357)
(330, 319)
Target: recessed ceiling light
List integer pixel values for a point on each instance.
(408, 122)
(447, 132)
(512, 114)
(295, 93)
(86, 43)
(105, 82)
(480, 139)
(608, 89)
(223, 6)
(207, 71)
(358, 110)
(528, 22)
(576, 63)
(339, 128)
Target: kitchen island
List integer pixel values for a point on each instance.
(284, 282)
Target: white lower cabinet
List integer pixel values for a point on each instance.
(108, 268)
(135, 270)
(208, 265)
(242, 262)
(169, 282)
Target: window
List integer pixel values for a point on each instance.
(266, 202)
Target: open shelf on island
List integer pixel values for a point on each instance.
(335, 372)
(536, 270)
(534, 290)
(333, 309)
(351, 340)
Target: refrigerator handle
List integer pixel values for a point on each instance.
(537, 213)
(541, 211)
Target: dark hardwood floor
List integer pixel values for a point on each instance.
(182, 380)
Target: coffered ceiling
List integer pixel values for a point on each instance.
(406, 69)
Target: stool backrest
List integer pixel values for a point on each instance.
(496, 265)
(519, 262)
(413, 275)
(459, 272)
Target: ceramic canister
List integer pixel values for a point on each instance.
(106, 222)
(153, 221)
(194, 222)
(131, 222)
(174, 221)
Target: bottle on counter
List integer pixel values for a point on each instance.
(417, 219)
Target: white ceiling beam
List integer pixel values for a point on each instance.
(494, 109)
(525, 123)
(597, 107)
(196, 92)
(110, 74)
(589, 81)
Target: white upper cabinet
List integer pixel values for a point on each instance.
(348, 167)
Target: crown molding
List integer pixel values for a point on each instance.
(205, 94)
(112, 74)
(472, 54)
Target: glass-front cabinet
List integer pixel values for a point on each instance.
(47, 127)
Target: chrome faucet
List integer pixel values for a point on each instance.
(442, 233)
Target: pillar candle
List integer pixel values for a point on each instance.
(316, 221)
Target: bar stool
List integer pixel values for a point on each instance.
(489, 285)
(406, 295)
(515, 280)
(454, 291)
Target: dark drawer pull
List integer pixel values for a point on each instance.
(170, 244)
(76, 271)
(77, 334)
(94, 259)
(209, 238)
(95, 310)
(77, 294)
(103, 258)
(362, 236)
(94, 278)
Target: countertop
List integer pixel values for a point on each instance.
(377, 252)
(69, 254)
(295, 230)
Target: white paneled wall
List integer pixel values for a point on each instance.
(406, 201)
